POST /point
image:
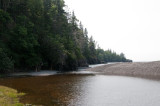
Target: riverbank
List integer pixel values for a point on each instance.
(93, 87)
(9, 97)
(135, 69)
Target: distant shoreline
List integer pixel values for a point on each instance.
(135, 69)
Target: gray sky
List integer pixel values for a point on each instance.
(128, 26)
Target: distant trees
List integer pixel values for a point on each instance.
(110, 56)
(40, 34)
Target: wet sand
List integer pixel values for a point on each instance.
(135, 69)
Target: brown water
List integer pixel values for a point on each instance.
(86, 89)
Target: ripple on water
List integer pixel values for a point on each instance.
(86, 90)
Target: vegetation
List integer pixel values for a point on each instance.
(9, 97)
(40, 34)
(5, 63)
(110, 56)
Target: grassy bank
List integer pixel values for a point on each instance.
(9, 97)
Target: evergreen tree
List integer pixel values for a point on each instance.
(6, 64)
(40, 34)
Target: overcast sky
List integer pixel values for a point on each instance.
(128, 26)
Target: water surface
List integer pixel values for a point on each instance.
(86, 89)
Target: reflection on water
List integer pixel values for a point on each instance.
(86, 90)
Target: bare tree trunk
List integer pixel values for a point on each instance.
(0, 4)
(51, 67)
(4, 4)
(36, 68)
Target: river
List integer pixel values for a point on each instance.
(86, 89)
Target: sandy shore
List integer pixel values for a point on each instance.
(138, 69)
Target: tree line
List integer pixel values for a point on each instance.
(41, 34)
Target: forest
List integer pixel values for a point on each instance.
(41, 34)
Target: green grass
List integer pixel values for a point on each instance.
(9, 97)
